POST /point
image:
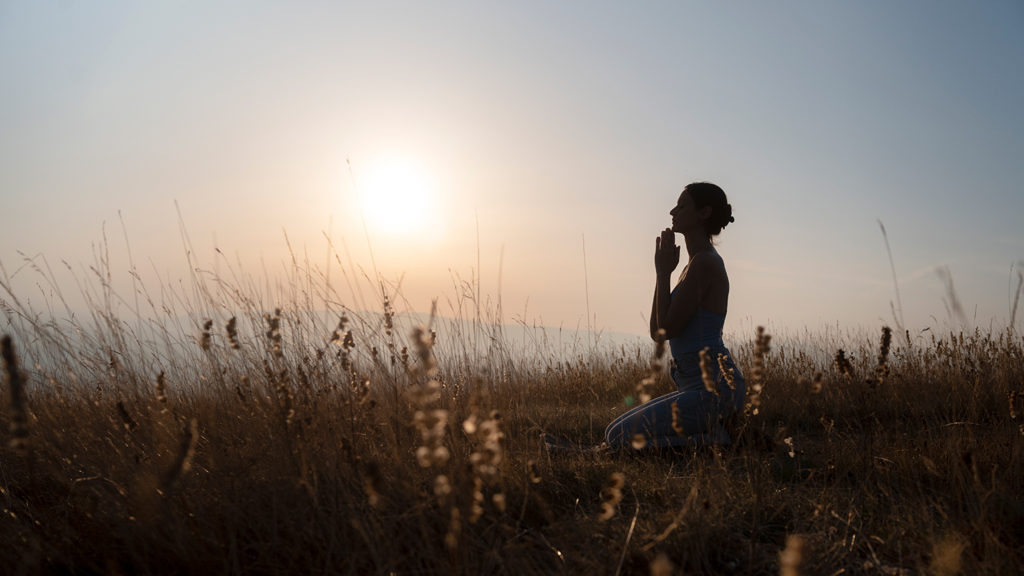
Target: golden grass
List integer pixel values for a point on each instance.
(230, 435)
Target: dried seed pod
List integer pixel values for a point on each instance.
(843, 364)
(232, 329)
(611, 495)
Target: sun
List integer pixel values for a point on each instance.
(397, 197)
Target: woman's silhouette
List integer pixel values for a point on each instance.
(691, 315)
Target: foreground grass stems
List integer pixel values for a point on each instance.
(183, 459)
(16, 388)
(302, 451)
(1016, 406)
(657, 368)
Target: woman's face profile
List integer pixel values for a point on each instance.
(685, 215)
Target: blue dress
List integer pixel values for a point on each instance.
(700, 412)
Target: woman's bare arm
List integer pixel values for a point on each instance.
(674, 311)
(666, 258)
(660, 306)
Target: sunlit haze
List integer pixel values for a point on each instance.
(398, 199)
(534, 147)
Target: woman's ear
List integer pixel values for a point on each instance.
(704, 213)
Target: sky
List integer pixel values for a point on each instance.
(533, 147)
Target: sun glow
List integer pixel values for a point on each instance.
(397, 197)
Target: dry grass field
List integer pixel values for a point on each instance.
(222, 432)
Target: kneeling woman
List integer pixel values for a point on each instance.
(692, 315)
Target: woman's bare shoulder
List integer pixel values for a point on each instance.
(709, 266)
(707, 260)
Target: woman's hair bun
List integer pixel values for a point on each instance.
(728, 215)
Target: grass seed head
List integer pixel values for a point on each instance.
(476, 508)
(424, 344)
(728, 373)
(792, 556)
(533, 472)
(206, 336)
(791, 452)
(161, 389)
(662, 566)
(947, 556)
(762, 346)
(499, 501)
(451, 539)
(273, 333)
(232, 329)
(639, 442)
(431, 425)
(389, 316)
(372, 483)
(817, 382)
(677, 422)
(611, 495)
(660, 345)
(285, 397)
(843, 364)
(657, 367)
(442, 487)
(707, 373)
(126, 418)
(882, 370)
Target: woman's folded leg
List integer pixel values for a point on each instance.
(696, 411)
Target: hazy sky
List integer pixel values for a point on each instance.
(540, 124)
